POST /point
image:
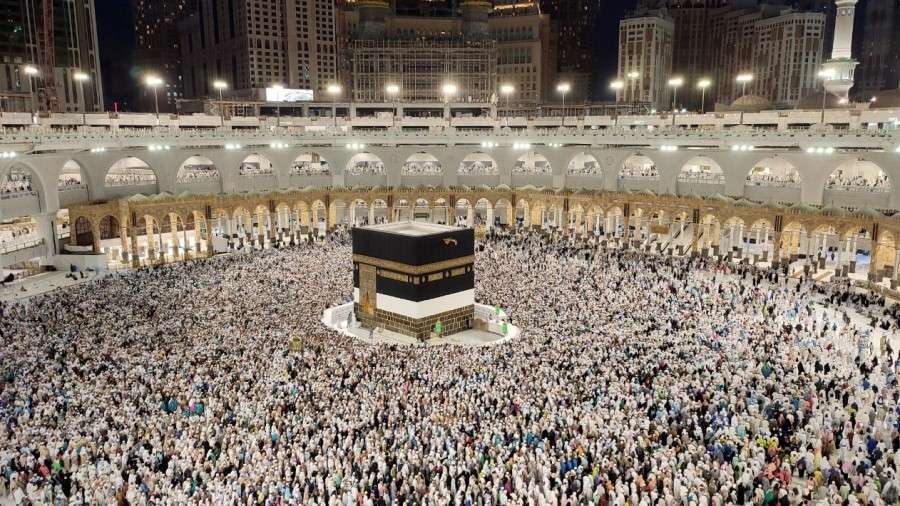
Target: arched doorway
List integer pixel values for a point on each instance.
(584, 164)
(131, 172)
(197, 170)
(310, 164)
(478, 164)
(422, 164)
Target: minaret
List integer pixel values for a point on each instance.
(372, 14)
(841, 64)
(475, 18)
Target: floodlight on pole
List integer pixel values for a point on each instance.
(675, 83)
(31, 71)
(703, 85)
(825, 75)
(277, 87)
(334, 90)
(221, 86)
(80, 78)
(632, 80)
(506, 90)
(563, 88)
(744, 79)
(617, 86)
(449, 90)
(154, 81)
(392, 90)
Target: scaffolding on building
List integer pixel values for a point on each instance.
(420, 68)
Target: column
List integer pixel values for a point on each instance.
(197, 234)
(123, 237)
(135, 253)
(470, 216)
(173, 235)
(490, 217)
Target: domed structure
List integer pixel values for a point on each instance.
(889, 99)
(751, 103)
(814, 102)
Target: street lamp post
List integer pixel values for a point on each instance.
(80, 78)
(617, 86)
(334, 90)
(31, 71)
(277, 87)
(743, 79)
(506, 90)
(392, 90)
(703, 84)
(154, 82)
(221, 86)
(675, 83)
(825, 75)
(563, 88)
(632, 78)
(448, 90)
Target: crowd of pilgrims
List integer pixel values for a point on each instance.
(130, 177)
(639, 172)
(840, 179)
(637, 380)
(198, 173)
(15, 186)
(760, 177)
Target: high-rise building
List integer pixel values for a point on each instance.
(575, 24)
(477, 48)
(76, 50)
(718, 40)
(695, 44)
(879, 55)
(645, 49)
(253, 44)
(157, 49)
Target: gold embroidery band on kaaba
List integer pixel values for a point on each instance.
(417, 270)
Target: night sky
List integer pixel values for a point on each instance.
(116, 33)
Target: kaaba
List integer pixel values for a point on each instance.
(409, 276)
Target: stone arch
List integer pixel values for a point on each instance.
(422, 164)
(701, 169)
(71, 176)
(365, 164)
(478, 164)
(243, 220)
(532, 163)
(379, 210)
(255, 165)
(859, 174)
(197, 169)
(639, 167)
(774, 171)
(338, 211)
(109, 228)
(503, 212)
(584, 164)
(886, 251)
(484, 211)
(130, 171)
(83, 232)
(310, 163)
(791, 236)
(22, 179)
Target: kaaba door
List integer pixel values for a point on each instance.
(367, 291)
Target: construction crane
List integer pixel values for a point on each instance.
(47, 58)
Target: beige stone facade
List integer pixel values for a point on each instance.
(783, 226)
